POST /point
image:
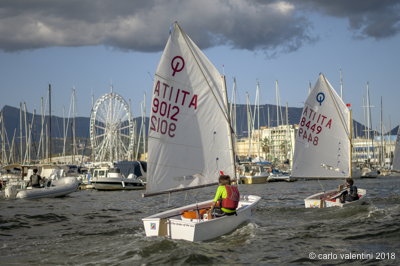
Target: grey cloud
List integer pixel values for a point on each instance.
(377, 19)
(142, 25)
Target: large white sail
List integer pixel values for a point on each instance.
(396, 157)
(322, 147)
(189, 133)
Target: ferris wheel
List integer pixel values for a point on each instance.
(111, 129)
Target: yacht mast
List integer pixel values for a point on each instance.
(20, 133)
(49, 135)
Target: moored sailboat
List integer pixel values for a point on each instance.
(190, 140)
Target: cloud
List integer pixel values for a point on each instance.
(142, 25)
(377, 19)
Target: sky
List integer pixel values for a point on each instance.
(95, 45)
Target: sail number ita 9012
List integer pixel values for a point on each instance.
(166, 111)
(162, 126)
(168, 102)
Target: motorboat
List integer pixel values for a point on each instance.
(280, 176)
(106, 178)
(51, 189)
(254, 173)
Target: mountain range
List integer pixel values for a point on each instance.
(11, 117)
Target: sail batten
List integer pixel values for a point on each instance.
(322, 145)
(189, 130)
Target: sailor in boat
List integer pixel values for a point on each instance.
(35, 179)
(350, 193)
(226, 198)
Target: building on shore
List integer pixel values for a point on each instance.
(376, 151)
(274, 144)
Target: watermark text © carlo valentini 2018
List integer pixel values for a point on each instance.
(353, 256)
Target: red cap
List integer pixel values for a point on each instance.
(348, 104)
(221, 173)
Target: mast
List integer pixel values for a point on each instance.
(64, 135)
(12, 153)
(370, 123)
(390, 142)
(144, 126)
(351, 144)
(233, 106)
(249, 123)
(382, 157)
(288, 133)
(73, 126)
(42, 143)
(277, 103)
(49, 135)
(130, 152)
(258, 117)
(30, 136)
(225, 92)
(341, 84)
(3, 141)
(20, 133)
(26, 132)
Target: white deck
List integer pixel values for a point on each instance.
(170, 223)
(319, 200)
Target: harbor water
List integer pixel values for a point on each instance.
(91, 227)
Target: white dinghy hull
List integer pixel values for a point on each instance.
(118, 183)
(170, 223)
(58, 188)
(320, 199)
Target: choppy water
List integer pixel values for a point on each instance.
(94, 228)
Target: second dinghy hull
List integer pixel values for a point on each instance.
(331, 199)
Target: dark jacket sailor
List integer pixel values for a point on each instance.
(226, 198)
(351, 193)
(35, 179)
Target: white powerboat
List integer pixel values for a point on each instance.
(52, 189)
(279, 176)
(105, 178)
(254, 173)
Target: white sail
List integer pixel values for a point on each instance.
(322, 147)
(189, 133)
(396, 157)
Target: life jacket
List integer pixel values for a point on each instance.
(231, 202)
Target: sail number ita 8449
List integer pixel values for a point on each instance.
(311, 125)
